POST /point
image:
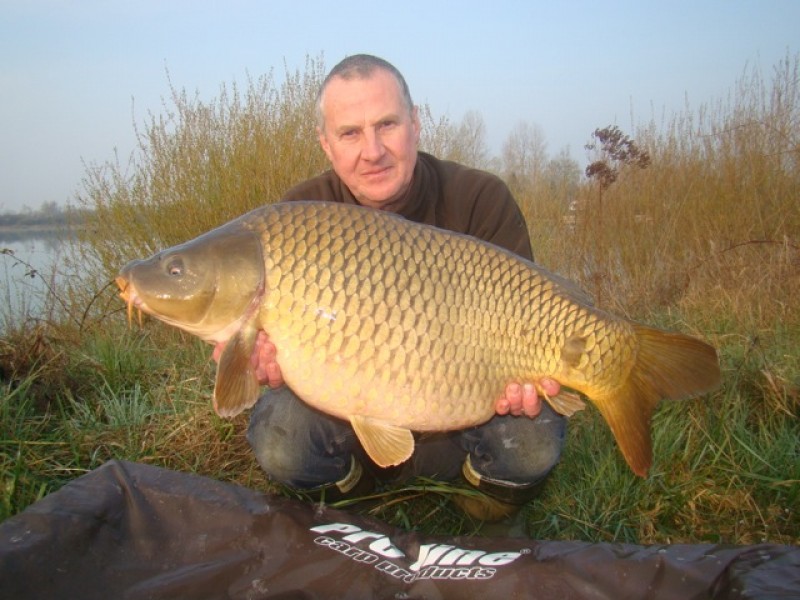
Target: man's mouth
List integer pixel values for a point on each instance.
(374, 173)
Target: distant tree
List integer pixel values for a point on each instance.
(436, 133)
(50, 209)
(524, 157)
(470, 141)
(464, 142)
(563, 175)
(8, 219)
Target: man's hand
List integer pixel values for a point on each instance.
(523, 399)
(263, 360)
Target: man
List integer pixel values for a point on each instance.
(369, 129)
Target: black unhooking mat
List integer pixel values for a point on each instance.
(129, 530)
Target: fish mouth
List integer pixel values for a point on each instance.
(131, 299)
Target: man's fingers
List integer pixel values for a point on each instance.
(263, 359)
(501, 406)
(268, 350)
(524, 399)
(514, 397)
(550, 386)
(274, 375)
(531, 404)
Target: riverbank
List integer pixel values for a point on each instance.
(49, 221)
(43, 231)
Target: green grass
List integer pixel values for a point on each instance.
(705, 240)
(121, 393)
(726, 469)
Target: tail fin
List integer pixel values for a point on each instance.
(669, 366)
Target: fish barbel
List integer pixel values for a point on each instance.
(401, 327)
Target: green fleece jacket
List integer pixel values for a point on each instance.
(447, 195)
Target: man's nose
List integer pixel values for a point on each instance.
(372, 148)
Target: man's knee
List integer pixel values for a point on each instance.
(272, 436)
(295, 444)
(517, 449)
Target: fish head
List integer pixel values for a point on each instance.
(208, 286)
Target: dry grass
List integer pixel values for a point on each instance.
(202, 164)
(710, 226)
(706, 239)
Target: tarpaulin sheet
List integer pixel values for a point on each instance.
(135, 531)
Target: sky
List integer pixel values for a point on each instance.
(78, 76)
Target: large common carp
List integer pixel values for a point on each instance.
(397, 326)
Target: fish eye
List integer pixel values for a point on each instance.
(175, 267)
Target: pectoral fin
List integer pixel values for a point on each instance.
(565, 403)
(386, 444)
(237, 387)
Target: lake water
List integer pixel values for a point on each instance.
(28, 265)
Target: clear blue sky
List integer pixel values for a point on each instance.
(76, 75)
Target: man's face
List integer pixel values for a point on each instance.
(370, 138)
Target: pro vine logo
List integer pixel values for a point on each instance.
(433, 561)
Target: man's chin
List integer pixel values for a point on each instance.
(389, 204)
(378, 199)
(382, 197)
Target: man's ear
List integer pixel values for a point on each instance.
(415, 122)
(323, 141)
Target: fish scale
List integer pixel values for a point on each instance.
(398, 326)
(331, 322)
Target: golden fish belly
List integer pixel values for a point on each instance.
(376, 317)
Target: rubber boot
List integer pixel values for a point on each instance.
(356, 484)
(497, 500)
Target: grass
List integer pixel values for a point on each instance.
(705, 240)
(727, 467)
(121, 394)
